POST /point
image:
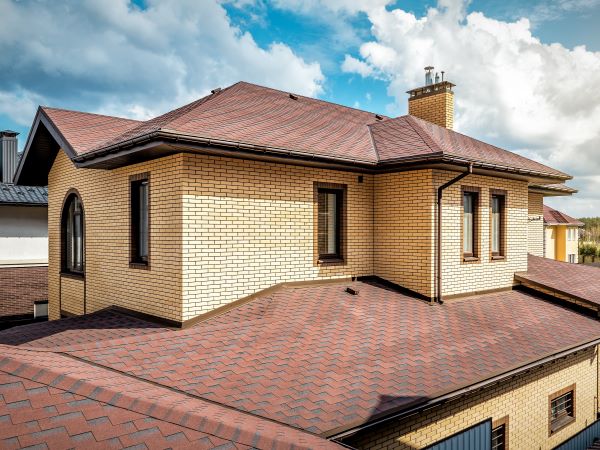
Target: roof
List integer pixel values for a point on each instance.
(578, 281)
(557, 189)
(554, 217)
(11, 194)
(318, 359)
(249, 118)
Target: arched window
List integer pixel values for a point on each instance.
(73, 235)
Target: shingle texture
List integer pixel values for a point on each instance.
(319, 359)
(554, 217)
(11, 194)
(248, 114)
(574, 280)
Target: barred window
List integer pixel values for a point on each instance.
(499, 437)
(562, 409)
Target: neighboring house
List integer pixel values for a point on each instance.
(331, 276)
(23, 242)
(561, 236)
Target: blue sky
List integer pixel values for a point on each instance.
(520, 67)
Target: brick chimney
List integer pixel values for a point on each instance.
(433, 102)
(8, 155)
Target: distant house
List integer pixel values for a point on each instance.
(23, 242)
(561, 236)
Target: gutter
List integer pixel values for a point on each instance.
(438, 266)
(465, 390)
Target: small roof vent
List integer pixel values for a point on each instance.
(214, 91)
(293, 97)
(378, 116)
(351, 291)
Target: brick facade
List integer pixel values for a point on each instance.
(535, 226)
(523, 399)
(20, 287)
(437, 108)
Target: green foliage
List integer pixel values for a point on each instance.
(589, 249)
(591, 231)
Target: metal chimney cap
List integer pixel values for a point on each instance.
(429, 68)
(8, 133)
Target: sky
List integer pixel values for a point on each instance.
(526, 72)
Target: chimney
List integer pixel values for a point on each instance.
(433, 102)
(8, 155)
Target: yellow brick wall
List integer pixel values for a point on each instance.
(437, 108)
(523, 399)
(249, 225)
(485, 274)
(535, 227)
(109, 279)
(72, 293)
(404, 239)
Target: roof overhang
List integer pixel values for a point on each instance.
(42, 145)
(555, 190)
(45, 140)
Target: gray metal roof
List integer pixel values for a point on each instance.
(23, 195)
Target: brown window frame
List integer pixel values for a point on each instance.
(340, 190)
(502, 195)
(135, 260)
(475, 192)
(65, 268)
(555, 427)
(502, 422)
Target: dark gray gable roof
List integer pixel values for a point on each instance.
(11, 194)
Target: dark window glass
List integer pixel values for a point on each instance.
(73, 235)
(499, 438)
(562, 411)
(497, 224)
(469, 223)
(140, 221)
(329, 232)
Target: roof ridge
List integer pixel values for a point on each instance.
(46, 108)
(428, 139)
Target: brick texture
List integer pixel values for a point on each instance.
(524, 400)
(438, 108)
(535, 225)
(20, 287)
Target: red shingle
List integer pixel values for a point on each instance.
(554, 217)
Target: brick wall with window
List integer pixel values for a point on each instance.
(20, 287)
(521, 403)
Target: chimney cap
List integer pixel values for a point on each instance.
(8, 133)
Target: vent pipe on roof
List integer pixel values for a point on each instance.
(428, 77)
(8, 155)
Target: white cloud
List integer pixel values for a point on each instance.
(511, 89)
(353, 65)
(347, 6)
(111, 57)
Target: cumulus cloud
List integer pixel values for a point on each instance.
(512, 89)
(111, 57)
(353, 65)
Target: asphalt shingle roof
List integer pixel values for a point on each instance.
(11, 194)
(318, 359)
(248, 114)
(574, 280)
(554, 217)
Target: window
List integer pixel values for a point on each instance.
(140, 219)
(73, 238)
(499, 437)
(572, 258)
(572, 234)
(562, 409)
(329, 205)
(497, 205)
(470, 205)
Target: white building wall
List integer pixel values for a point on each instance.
(23, 235)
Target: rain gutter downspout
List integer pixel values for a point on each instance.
(438, 266)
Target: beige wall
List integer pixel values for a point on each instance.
(572, 245)
(249, 225)
(108, 279)
(535, 227)
(462, 277)
(550, 243)
(523, 399)
(404, 224)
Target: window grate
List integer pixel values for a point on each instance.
(562, 411)
(499, 438)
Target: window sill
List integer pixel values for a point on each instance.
(139, 265)
(561, 423)
(470, 259)
(330, 261)
(498, 258)
(74, 275)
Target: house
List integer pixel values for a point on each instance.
(23, 242)
(262, 269)
(561, 236)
